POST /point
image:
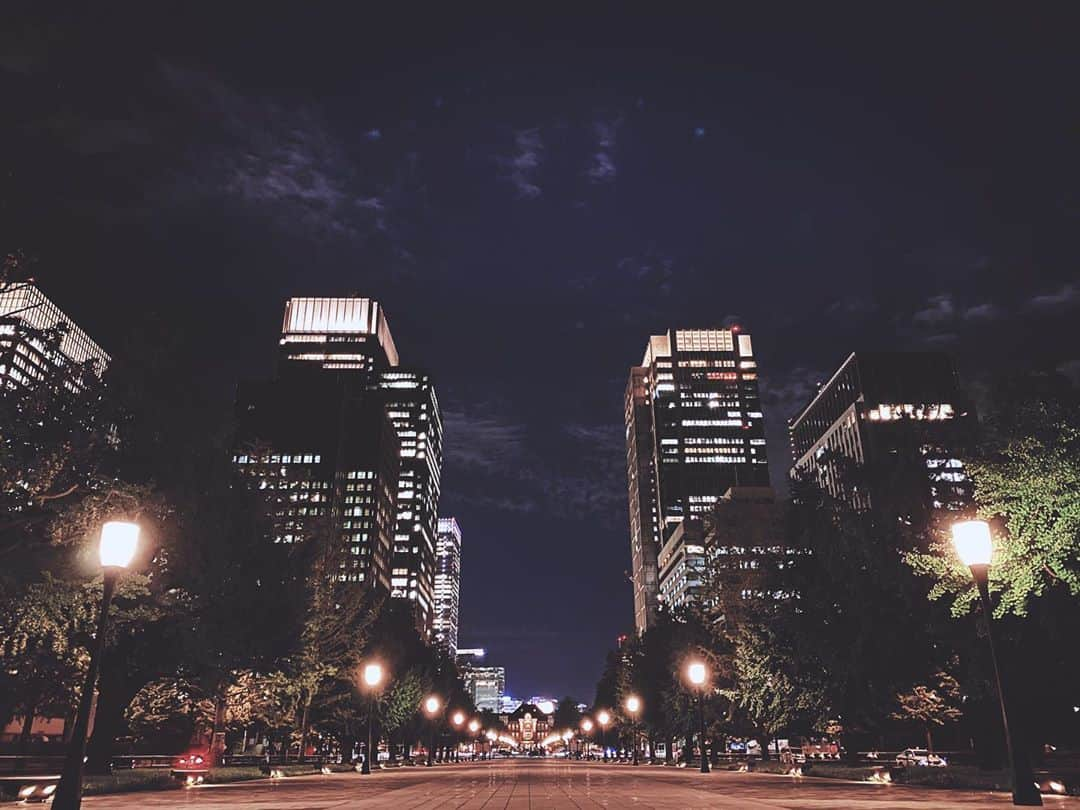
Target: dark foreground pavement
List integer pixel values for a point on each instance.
(520, 784)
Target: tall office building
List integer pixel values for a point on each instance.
(26, 313)
(694, 429)
(447, 584)
(486, 685)
(348, 441)
(409, 399)
(881, 410)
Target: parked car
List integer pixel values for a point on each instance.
(192, 766)
(919, 757)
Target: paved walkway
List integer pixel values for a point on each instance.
(547, 784)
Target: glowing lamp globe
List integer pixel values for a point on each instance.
(459, 718)
(118, 543)
(474, 726)
(373, 674)
(633, 704)
(604, 718)
(586, 724)
(696, 673)
(491, 735)
(431, 705)
(972, 541)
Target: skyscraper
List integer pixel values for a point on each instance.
(447, 584)
(409, 399)
(694, 429)
(878, 412)
(26, 313)
(345, 438)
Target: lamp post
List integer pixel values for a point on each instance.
(697, 675)
(373, 678)
(474, 727)
(603, 718)
(633, 705)
(458, 720)
(587, 726)
(119, 540)
(975, 547)
(431, 709)
(491, 737)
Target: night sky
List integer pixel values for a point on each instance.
(531, 198)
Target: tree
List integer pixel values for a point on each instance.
(930, 706)
(566, 715)
(334, 631)
(1027, 483)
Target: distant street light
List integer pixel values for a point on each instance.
(431, 708)
(633, 705)
(458, 719)
(975, 547)
(119, 541)
(373, 678)
(603, 718)
(698, 675)
(587, 727)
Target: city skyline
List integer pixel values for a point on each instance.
(533, 211)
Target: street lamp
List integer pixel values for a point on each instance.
(119, 540)
(458, 719)
(373, 678)
(633, 705)
(975, 547)
(566, 738)
(697, 674)
(474, 728)
(587, 726)
(431, 708)
(603, 718)
(492, 737)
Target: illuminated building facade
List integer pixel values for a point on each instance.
(694, 429)
(881, 410)
(25, 314)
(447, 584)
(682, 565)
(529, 726)
(349, 441)
(409, 400)
(486, 685)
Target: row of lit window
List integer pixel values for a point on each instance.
(303, 458)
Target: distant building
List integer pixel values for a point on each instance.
(694, 429)
(528, 724)
(508, 704)
(485, 685)
(447, 584)
(25, 312)
(879, 412)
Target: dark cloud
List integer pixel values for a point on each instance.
(1065, 296)
(939, 308)
(602, 168)
(522, 167)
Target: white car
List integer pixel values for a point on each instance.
(920, 757)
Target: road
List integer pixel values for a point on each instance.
(521, 784)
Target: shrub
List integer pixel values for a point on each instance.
(127, 781)
(235, 773)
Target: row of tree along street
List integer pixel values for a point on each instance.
(862, 627)
(214, 629)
